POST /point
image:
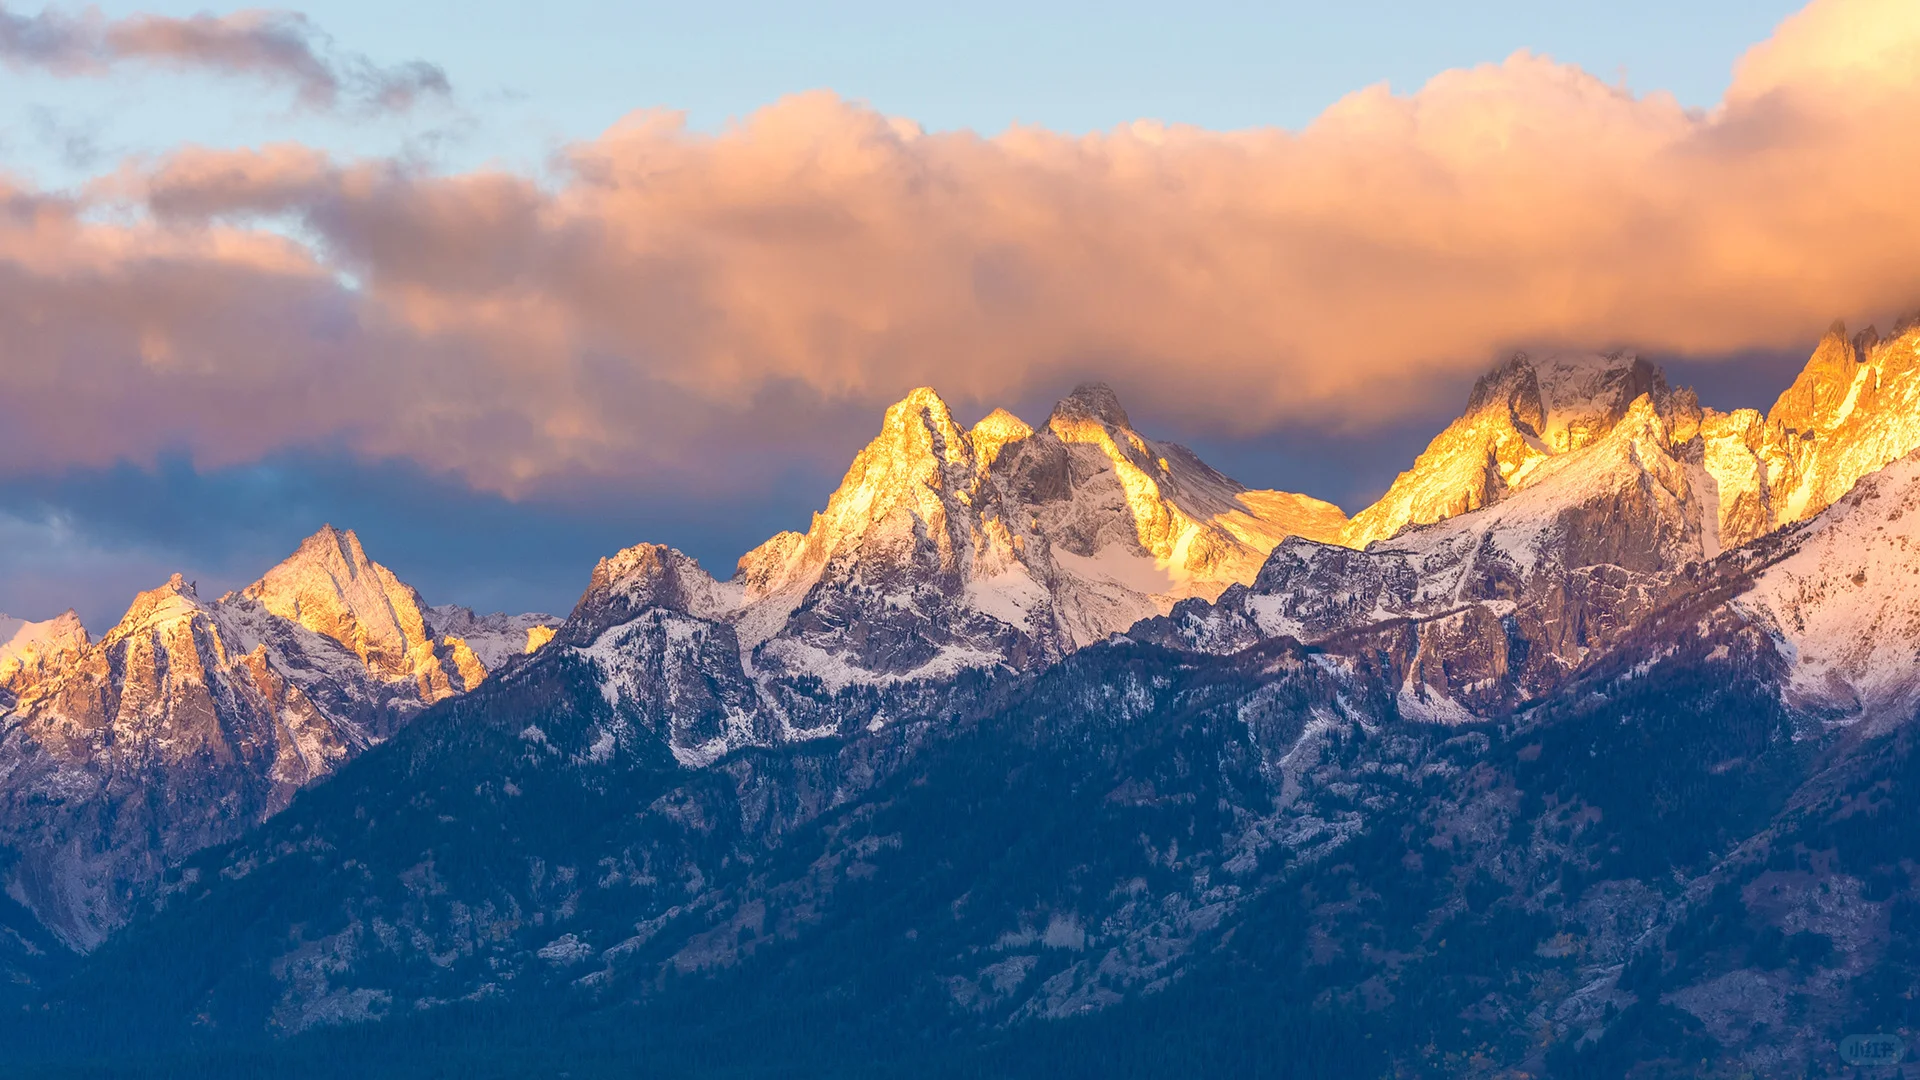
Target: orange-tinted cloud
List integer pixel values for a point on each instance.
(671, 283)
(281, 46)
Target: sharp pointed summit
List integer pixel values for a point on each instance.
(1853, 409)
(191, 719)
(171, 732)
(946, 548)
(330, 586)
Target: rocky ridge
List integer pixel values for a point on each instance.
(31, 651)
(1533, 532)
(191, 720)
(943, 550)
(1607, 767)
(1518, 416)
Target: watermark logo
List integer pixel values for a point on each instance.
(1872, 1049)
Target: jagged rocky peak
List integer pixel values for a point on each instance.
(1567, 400)
(1518, 415)
(33, 651)
(330, 586)
(945, 547)
(190, 720)
(157, 609)
(903, 506)
(1854, 408)
(1089, 401)
(919, 442)
(638, 579)
(168, 734)
(994, 432)
(1822, 388)
(1487, 609)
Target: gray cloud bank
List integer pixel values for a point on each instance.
(279, 46)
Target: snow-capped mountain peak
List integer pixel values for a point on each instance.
(994, 431)
(1853, 409)
(1518, 415)
(191, 719)
(1089, 402)
(946, 548)
(330, 586)
(641, 578)
(158, 609)
(32, 651)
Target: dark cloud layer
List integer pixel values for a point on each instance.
(280, 46)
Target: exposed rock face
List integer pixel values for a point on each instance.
(1573, 782)
(1854, 408)
(330, 587)
(1661, 833)
(1134, 525)
(493, 639)
(168, 735)
(946, 549)
(1550, 519)
(394, 654)
(190, 721)
(1488, 609)
(1518, 416)
(31, 652)
(1032, 542)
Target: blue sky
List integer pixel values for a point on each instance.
(529, 80)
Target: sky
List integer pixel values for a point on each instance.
(505, 290)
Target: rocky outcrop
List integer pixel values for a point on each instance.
(944, 549)
(1518, 416)
(32, 652)
(192, 720)
(1005, 544)
(1487, 610)
(1853, 409)
(169, 734)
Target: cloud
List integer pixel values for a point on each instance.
(280, 46)
(670, 303)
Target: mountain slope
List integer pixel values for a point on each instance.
(1627, 871)
(944, 550)
(189, 721)
(1854, 408)
(1610, 773)
(1518, 416)
(1488, 609)
(1842, 598)
(164, 737)
(31, 652)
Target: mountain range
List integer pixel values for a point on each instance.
(1587, 750)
